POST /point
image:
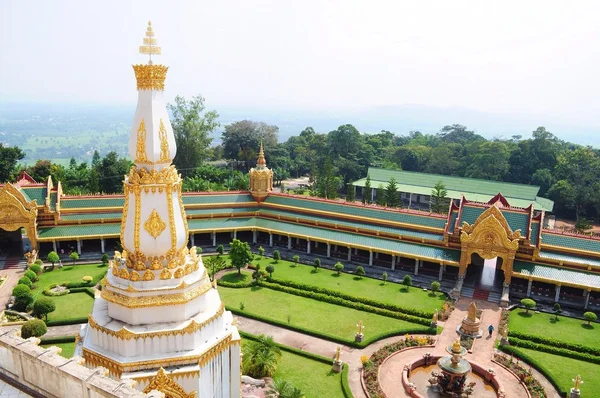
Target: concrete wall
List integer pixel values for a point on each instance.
(48, 374)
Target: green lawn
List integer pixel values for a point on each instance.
(67, 348)
(314, 315)
(393, 293)
(69, 273)
(565, 369)
(71, 306)
(543, 325)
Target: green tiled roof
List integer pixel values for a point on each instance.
(518, 195)
(557, 274)
(569, 257)
(573, 242)
(470, 214)
(210, 224)
(37, 193)
(220, 211)
(453, 217)
(535, 231)
(80, 203)
(373, 227)
(217, 198)
(46, 233)
(90, 216)
(515, 220)
(369, 212)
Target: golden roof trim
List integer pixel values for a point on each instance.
(154, 301)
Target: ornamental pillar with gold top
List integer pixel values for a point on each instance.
(261, 178)
(157, 320)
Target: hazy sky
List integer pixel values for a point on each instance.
(520, 57)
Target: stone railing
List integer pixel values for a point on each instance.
(43, 372)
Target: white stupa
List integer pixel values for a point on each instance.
(159, 321)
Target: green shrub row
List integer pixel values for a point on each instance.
(58, 340)
(234, 285)
(329, 361)
(335, 339)
(556, 343)
(346, 303)
(540, 367)
(50, 293)
(374, 303)
(87, 290)
(555, 350)
(67, 321)
(71, 285)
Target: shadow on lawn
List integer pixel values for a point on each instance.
(588, 327)
(525, 314)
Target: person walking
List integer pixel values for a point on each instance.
(490, 329)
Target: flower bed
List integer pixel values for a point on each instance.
(525, 375)
(371, 365)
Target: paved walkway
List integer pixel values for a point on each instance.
(7, 286)
(8, 391)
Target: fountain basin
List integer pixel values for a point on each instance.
(415, 378)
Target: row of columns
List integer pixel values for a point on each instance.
(557, 293)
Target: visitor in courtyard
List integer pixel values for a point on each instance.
(491, 329)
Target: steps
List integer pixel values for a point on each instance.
(480, 294)
(13, 262)
(467, 292)
(495, 297)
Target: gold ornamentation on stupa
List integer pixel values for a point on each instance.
(140, 149)
(165, 153)
(163, 383)
(154, 225)
(150, 77)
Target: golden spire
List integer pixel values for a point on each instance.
(261, 162)
(150, 46)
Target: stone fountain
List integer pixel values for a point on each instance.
(470, 326)
(452, 381)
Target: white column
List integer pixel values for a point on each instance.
(235, 234)
(328, 250)
(270, 239)
(54, 246)
(289, 243)
(254, 237)
(409, 200)
(587, 299)
(557, 295)
(297, 241)
(377, 255)
(349, 254)
(102, 245)
(307, 246)
(416, 267)
(214, 237)
(316, 243)
(370, 258)
(334, 247)
(372, 193)
(441, 272)
(393, 263)
(192, 239)
(529, 284)
(79, 247)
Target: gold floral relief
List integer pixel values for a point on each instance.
(156, 264)
(167, 175)
(165, 274)
(154, 225)
(165, 384)
(165, 153)
(149, 275)
(140, 148)
(134, 276)
(150, 77)
(123, 273)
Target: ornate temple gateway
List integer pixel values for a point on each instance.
(158, 320)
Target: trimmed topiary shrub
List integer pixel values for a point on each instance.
(33, 328)
(21, 291)
(339, 267)
(360, 271)
(36, 268)
(87, 279)
(435, 286)
(590, 317)
(30, 275)
(528, 304)
(276, 256)
(407, 281)
(25, 281)
(38, 262)
(43, 306)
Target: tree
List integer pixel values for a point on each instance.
(260, 357)
(9, 157)
(23, 297)
(557, 310)
(214, 264)
(110, 172)
(528, 304)
(43, 306)
(104, 259)
(366, 195)
(317, 264)
(360, 271)
(407, 281)
(241, 140)
(339, 267)
(589, 317)
(276, 256)
(384, 277)
(240, 254)
(33, 328)
(582, 225)
(74, 256)
(435, 286)
(391, 193)
(52, 257)
(270, 269)
(380, 195)
(296, 259)
(257, 274)
(220, 250)
(327, 183)
(490, 161)
(350, 194)
(192, 128)
(261, 251)
(282, 389)
(439, 198)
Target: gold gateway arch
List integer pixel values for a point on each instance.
(490, 237)
(16, 213)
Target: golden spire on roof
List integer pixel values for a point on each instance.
(261, 162)
(150, 46)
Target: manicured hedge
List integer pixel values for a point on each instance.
(556, 343)
(58, 340)
(50, 293)
(346, 303)
(540, 367)
(67, 321)
(555, 350)
(87, 290)
(345, 385)
(335, 339)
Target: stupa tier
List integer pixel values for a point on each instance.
(158, 319)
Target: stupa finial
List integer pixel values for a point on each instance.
(261, 156)
(149, 46)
